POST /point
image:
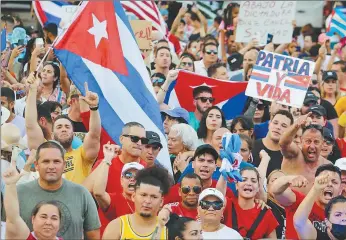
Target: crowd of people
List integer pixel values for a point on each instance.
(63, 177)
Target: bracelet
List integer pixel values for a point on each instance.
(163, 89)
(94, 108)
(107, 162)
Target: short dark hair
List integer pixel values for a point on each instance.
(284, 113)
(248, 168)
(129, 125)
(8, 93)
(192, 176)
(160, 48)
(42, 111)
(65, 117)
(50, 144)
(218, 19)
(331, 203)
(213, 68)
(159, 75)
(187, 55)
(244, 121)
(208, 44)
(176, 226)
(314, 50)
(208, 38)
(51, 106)
(7, 19)
(328, 167)
(162, 40)
(202, 130)
(342, 63)
(198, 90)
(51, 28)
(43, 203)
(155, 176)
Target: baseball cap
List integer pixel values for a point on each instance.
(211, 192)
(131, 165)
(177, 112)
(154, 138)
(329, 75)
(327, 134)
(318, 109)
(310, 98)
(206, 148)
(340, 163)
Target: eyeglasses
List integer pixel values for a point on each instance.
(184, 64)
(205, 205)
(211, 52)
(205, 99)
(135, 139)
(188, 189)
(129, 175)
(159, 80)
(314, 126)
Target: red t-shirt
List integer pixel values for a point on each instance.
(246, 218)
(119, 206)
(181, 211)
(173, 195)
(176, 43)
(316, 216)
(342, 146)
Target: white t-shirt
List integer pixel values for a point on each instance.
(200, 68)
(224, 233)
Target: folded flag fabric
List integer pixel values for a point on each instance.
(229, 96)
(337, 23)
(100, 48)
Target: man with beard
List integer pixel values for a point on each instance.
(202, 99)
(78, 161)
(114, 205)
(190, 188)
(282, 190)
(279, 123)
(150, 187)
(303, 160)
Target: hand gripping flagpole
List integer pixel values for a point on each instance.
(58, 37)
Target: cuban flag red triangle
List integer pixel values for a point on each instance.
(97, 28)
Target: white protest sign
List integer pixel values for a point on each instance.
(263, 17)
(280, 78)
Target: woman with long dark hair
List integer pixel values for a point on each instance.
(212, 120)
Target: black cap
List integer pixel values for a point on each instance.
(206, 148)
(154, 138)
(328, 135)
(318, 109)
(329, 75)
(310, 98)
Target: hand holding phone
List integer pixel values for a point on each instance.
(39, 42)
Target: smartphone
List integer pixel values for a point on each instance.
(270, 38)
(39, 42)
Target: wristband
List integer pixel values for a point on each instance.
(94, 108)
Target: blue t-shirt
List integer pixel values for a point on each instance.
(261, 130)
(216, 174)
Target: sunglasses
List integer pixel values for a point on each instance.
(260, 106)
(159, 80)
(188, 189)
(135, 139)
(205, 99)
(211, 52)
(184, 64)
(129, 175)
(205, 205)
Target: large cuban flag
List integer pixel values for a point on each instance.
(229, 96)
(100, 48)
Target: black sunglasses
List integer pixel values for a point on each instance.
(211, 52)
(135, 139)
(195, 189)
(205, 205)
(260, 106)
(205, 99)
(183, 64)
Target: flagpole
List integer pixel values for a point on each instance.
(57, 37)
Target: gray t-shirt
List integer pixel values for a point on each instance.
(79, 213)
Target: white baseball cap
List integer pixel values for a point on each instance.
(341, 163)
(132, 165)
(211, 192)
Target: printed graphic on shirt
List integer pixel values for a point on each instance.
(69, 164)
(66, 219)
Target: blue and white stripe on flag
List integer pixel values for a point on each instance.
(338, 23)
(124, 97)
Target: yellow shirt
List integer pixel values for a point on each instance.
(129, 234)
(77, 166)
(340, 106)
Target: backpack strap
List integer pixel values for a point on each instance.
(256, 223)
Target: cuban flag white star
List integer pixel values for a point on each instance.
(99, 30)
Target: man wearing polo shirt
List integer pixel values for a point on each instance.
(174, 116)
(152, 149)
(202, 99)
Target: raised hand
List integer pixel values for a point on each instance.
(110, 151)
(264, 155)
(321, 182)
(11, 175)
(16, 51)
(39, 51)
(299, 182)
(32, 81)
(163, 216)
(182, 11)
(304, 120)
(91, 98)
(172, 75)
